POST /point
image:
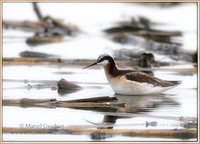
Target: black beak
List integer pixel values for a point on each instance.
(90, 65)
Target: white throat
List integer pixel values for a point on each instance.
(104, 63)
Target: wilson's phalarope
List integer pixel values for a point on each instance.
(130, 81)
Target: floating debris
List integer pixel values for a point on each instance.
(64, 84)
(34, 41)
(47, 30)
(41, 28)
(153, 123)
(140, 33)
(66, 87)
(147, 33)
(140, 58)
(104, 104)
(35, 54)
(24, 102)
(24, 25)
(103, 133)
(95, 99)
(174, 51)
(146, 60)
(80, 62)
(192, 124)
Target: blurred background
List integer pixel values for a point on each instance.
(45, 42)
(88, 22)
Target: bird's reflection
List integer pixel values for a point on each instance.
(133, 104)
(144, 103)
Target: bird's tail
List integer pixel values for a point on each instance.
(176, 82)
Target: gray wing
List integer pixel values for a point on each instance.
(145, 78)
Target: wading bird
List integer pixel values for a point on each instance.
(130, 81)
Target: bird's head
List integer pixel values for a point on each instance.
(102, 60)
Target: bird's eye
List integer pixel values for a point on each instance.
(101, 59)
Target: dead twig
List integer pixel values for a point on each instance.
(37, 11)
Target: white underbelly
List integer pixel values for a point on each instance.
(126, 87)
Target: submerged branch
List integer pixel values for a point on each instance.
(106, 105)
(73, 130)
(24, 25)
(100, 104)
(83, 62)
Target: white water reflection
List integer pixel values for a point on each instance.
(92, 18)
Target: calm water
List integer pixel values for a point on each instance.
(180, 101)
